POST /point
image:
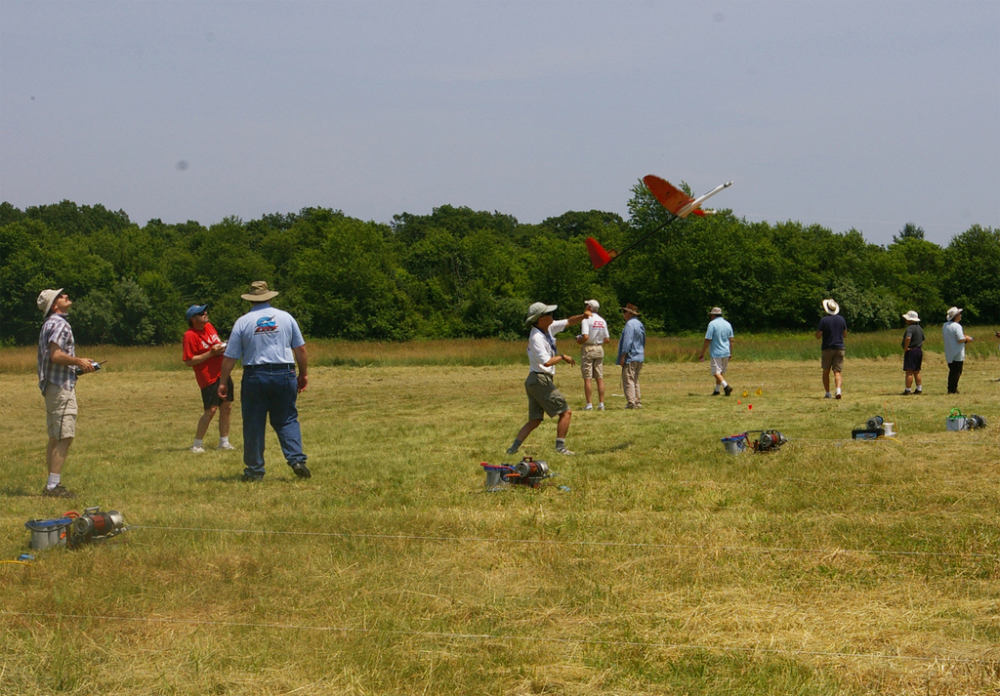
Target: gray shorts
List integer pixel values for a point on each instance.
(543, 397)
(60, 412)
(592, 361)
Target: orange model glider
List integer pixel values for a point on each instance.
(671, 198)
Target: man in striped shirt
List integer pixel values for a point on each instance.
(58, 368)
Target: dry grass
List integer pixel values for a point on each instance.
(831, 567)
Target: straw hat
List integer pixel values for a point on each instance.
(716, 311)
(911, 316)
(631, 308)
(954, 312)
(259, 292)
(831, 307)
(536, 311)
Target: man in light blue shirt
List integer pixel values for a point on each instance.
(954, 347)
(719, 343)
(631, 354)
(270, 344)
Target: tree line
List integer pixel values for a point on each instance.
(464, 273)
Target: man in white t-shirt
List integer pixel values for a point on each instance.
(543, 396)
(593, 336)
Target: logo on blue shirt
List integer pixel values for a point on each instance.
(266, 325)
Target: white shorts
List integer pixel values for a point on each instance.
(717, 366)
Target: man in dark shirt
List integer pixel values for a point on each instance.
(913, 354)
(832, 329)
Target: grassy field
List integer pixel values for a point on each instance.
(655, 563)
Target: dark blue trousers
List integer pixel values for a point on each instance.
(270, 392)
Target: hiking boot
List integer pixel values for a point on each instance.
(837, 397)
(301, 470)
(59, 491)
(728, 390)
(251, 478)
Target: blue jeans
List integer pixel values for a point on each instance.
(273, 392)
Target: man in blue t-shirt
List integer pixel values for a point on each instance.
(832, 329)
(269, 343)
(631, 355)
(719, 344)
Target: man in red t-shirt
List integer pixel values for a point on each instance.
(203, 352)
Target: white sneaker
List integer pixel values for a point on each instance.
(588, 407)
(226, 446)
(600, 407)
(565, 452)
(197, 450)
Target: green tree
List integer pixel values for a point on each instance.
(972, 260)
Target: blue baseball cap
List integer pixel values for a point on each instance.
(195, 309)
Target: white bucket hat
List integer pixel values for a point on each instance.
(45, 300)
(536, 310)
(715, 311)
(954, 312)
(911, 316)
(831, 307)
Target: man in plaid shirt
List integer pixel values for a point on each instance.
(57, 371)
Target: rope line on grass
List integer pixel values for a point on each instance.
(556, 542)
(481, 636)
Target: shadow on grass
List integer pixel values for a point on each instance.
(20, 492)
(614, 448)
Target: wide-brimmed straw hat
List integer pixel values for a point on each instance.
(46, 298)
(954, 312)
(631, 308)
(259, 292)
(911, 316)
(715, 311)
(831, 307)
(536, 311)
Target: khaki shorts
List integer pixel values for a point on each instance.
(543, 397)
(592, 362)
(60, 412)
(717, 366)
(833, 358)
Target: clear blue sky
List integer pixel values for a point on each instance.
(862, 115)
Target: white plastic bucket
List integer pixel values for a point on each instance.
(48, 533)
(735, 444)
(955, 421)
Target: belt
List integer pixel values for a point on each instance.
(270, 367)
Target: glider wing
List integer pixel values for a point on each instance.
(675, 200)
